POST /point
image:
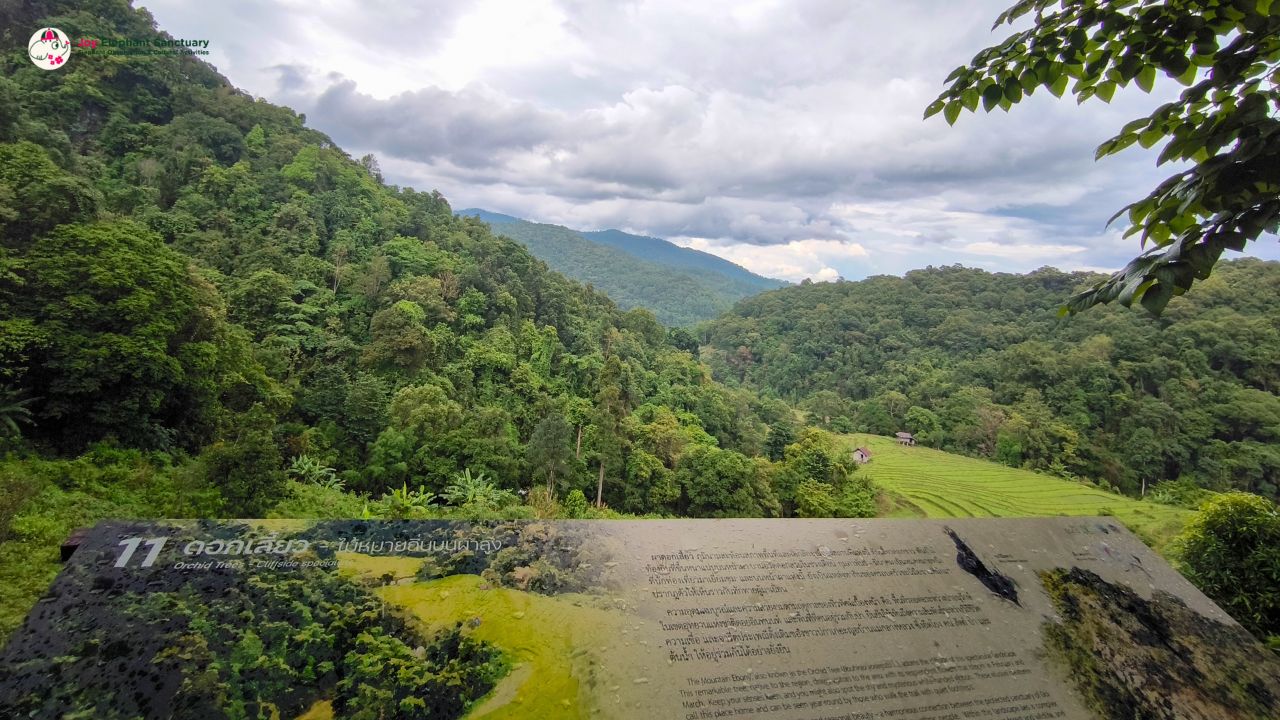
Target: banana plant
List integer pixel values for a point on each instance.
(404, 501)
(308, 469)
(477, 491)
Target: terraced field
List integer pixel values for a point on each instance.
(929, 483)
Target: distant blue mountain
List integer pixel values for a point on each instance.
(661, 251)
(654, 250)
(680, 285)
(489, 217)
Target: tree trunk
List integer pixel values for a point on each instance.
(339, 256)
(579, 441)
(551, 480)
(600, 487)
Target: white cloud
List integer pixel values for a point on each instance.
(795, 261)
(497, 34)
(785, 134)
(1024, 253)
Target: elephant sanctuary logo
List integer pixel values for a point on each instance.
(49, 48)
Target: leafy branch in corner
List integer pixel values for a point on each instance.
(1224, 123)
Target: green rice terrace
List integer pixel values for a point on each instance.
(921, 482)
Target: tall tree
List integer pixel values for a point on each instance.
(246, 468)
(550, 447)
(579, 413)
(1224, 123)
(781, 434)
(611, 408)
(107, 311)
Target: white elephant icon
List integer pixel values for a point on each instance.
(49, 48)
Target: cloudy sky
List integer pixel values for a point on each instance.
(785, 135)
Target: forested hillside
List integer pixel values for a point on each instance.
(195, 275)
(981, 364)
(206, 308)
(674, 297)
(681, 286)
(666, 253)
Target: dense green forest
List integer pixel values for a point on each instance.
(677, 294)
(206, 308)
(981, 364)
(194, 273)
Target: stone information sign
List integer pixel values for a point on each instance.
(967, 619)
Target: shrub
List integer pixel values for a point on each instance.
(815, 500)
(575, 506)
(1183, 493)
(313, 501)
(544, 504)
(858, 498)
(1231, 551)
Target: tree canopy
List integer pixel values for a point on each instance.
(981, 364)
(1227, 53)
(192, 272)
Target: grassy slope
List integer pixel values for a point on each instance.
(922, 482)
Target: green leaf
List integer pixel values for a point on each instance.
(1013, 90)
(1155, 298)
(1124, 142)
(991, 97)
(1140, 210)
(970, 99)
(1135, 125)
(1129, 67)
(952, 112)
(1105, 91)
(1059, 86)
(934, 108)
(1233, 241)
(1175, 64)
(1044, 72)
(1151, 137)
(1147, 78)
(1135, 290)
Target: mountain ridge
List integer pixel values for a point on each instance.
(680, 285)
(649, 248)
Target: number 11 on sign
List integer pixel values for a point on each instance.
(155, 545)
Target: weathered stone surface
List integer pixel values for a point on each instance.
(1010, 619)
